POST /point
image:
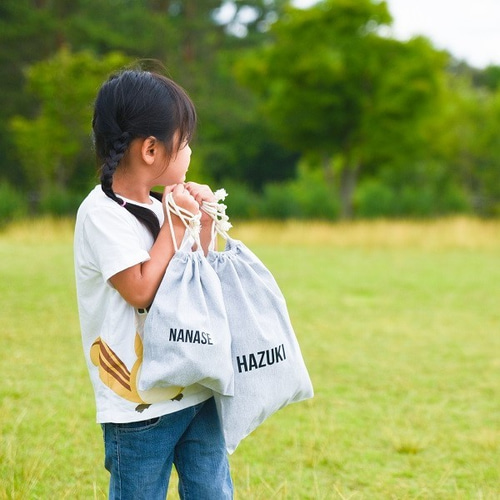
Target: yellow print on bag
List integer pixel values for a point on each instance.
(114, 374)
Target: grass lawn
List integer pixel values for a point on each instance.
(399, 326)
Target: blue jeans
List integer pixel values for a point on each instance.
(139, 456)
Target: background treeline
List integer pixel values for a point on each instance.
(315, 113)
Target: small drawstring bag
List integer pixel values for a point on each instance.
(269, 371)
(186, 332)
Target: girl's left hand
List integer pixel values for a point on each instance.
(200, 192)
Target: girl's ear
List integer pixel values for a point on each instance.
(149, 149)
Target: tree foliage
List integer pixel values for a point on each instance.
(390, 127)
(333, 86)
(57, 141)
(473, 143)
(196, 47)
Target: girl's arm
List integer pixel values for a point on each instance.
(138, 284)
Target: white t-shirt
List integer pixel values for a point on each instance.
(109, 239)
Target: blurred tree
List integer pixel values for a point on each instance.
(327, 81)
(234, 141)
(27, 32)
(57, 141)
(197, 42)
(470, 142)
(491, 77)
(334, 88)
(488, 77)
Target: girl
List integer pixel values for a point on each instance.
(142, 125)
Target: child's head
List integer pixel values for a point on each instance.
(138, 104)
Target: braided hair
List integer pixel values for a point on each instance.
(138, 104)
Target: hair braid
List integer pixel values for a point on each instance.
(108, 168)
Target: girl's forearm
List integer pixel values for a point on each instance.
(138, 284)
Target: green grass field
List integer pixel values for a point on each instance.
(399, 325)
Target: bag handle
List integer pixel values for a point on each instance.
(191, 221)
(217, 211)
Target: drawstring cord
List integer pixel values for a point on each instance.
(217, 212)
(191, 221)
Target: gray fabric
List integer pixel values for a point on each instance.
(186, 333)
(269, 371)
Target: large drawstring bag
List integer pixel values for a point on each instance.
(186, 332)
(269, 371)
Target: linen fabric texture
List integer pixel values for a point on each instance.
(186, 332)
(269, 370)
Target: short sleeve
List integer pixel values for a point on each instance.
(115, 240)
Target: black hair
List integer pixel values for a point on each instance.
(138, 104)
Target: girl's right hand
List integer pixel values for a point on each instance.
(182, 198)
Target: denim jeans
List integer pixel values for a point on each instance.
(139, 456)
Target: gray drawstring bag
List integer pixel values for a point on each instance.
(186, 332)
(269, 370)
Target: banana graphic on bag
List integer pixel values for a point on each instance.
(115, 375)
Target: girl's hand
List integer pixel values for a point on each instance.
(200, 192)
(182, 197)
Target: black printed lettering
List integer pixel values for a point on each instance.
(279, 356)
(260, 359)
(252, 363)
(205, 338)
(262, 355)
(271, 358)
(190, 336)
(242, 363)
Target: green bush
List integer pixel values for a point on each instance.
(374, 198)
(425, 194)
(432, 201)
(304, 198)
(416, 201)
(313, 197)
(454, 200)
(278, 202)
(59, 202)
(242, 202)
(13, 204)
